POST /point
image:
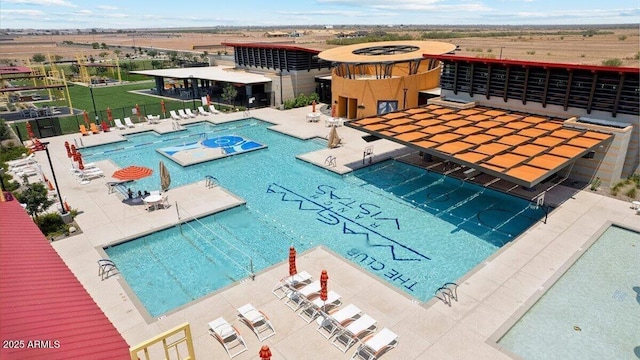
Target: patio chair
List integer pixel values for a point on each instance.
(376, 345)
(29, 160)
(202, 111)
(119, 124)
(127, 121)
(296, 298)
(286, 284)
(188, 112)
(257, 321)
(164, 202)
(213, 110)
(174, 116)
(94, 128)
(183, 114)
(228, 336)
(83, 130)
(346, 337)
(312, 309)
(329, 323)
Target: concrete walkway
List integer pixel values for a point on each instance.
(490, 296)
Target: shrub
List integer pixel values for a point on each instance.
(51, 224)
(631, 192)
(622, 37)
(612, 62)
(595, 184)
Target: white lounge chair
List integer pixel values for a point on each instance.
(346, 337)
(376, 345)
(190, 113)
(119, 124)
(287, 284)
(202, 111)
(127, 121)
(312, 309)
(29, 160)
(174, 116)
(297, 298)
(183, 114)
(228, 336)
(329, 323)
(213, 110)
(257, 321)
(84, 175)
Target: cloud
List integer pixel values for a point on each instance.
(22, 13)
(41, 2)
(106, 7)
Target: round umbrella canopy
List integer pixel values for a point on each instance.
(165, 178)
(292, 261)
(132, 173)
(265, 353)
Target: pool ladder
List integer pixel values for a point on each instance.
(106, 268)
(210, 182)
(448, 292)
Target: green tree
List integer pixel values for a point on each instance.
(57, 57)
(35, 197)
(229, 93)
(156, 64)
(117, 52)
(173, 56)
(152, 53)
(95, 45)
(39, 58)
(104, 46)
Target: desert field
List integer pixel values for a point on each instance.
(545, 46)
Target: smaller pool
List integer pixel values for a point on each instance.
(592, 311)
(209, 149)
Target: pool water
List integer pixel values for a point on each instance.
(411, 227)
(592, 311)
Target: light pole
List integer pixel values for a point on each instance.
(55, 181)
(193, 92)
(404, 98)
(502, 47)
(95, 111)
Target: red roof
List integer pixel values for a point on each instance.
(455, 58)
(265, 45)
(6, 70)
(43, 301)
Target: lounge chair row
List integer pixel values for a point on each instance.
(229, 336)
(187, 113)
(127, 122)
(343, 326)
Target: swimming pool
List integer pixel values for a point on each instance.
(592, 311)
(413, 228)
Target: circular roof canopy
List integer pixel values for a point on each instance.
(385, 51)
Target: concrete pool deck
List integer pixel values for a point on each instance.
(489, 296)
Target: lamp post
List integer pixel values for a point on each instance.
(502, 47)
(93, 100)
(55, 181)
(404, 98)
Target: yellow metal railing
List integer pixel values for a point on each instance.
(172, 342)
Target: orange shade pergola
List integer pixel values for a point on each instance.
(519, 147)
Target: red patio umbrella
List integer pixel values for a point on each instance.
(73, 151)
(66, 146)
(86, 118)
(138, 112)
(265, 353)
(292, 261)
(109, 116)
(333, 110)
(30, 131)
(79, 159)
(313, 106)
(324, 277)
(163, 108)
(132, 173)
(208, 100)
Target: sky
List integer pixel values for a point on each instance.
(132, 14)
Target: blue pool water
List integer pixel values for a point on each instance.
(410, 227)
(592, 311)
